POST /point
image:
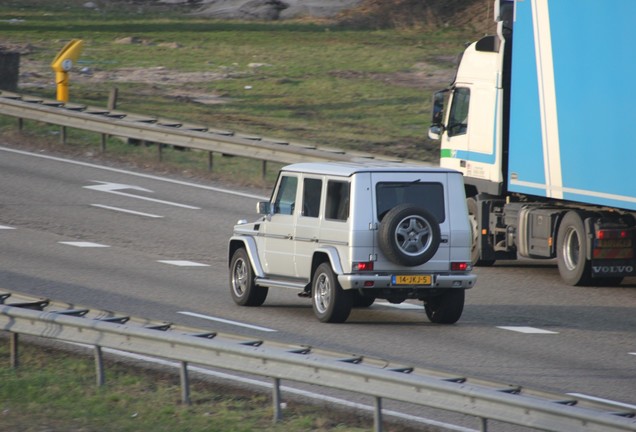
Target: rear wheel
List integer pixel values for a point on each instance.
(330, 302)
(244, 290)
(574, 267)
(446, 308)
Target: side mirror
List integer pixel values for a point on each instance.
(435, 132)
(263, 207)
(438, 107)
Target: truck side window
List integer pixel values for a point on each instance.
(312, 190)
(458, 120)
(337, 207)
(286, 196)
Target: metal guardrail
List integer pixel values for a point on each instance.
(484, 400)
(170, 132)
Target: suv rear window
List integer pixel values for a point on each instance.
(426, 195)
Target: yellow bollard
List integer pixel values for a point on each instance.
(62, 64)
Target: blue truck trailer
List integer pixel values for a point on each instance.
(541, 119)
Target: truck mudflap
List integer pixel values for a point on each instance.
(613, 268)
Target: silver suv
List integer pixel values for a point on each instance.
(345, 234)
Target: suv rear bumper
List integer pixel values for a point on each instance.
(349, 281)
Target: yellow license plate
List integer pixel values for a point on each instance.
(411, 280)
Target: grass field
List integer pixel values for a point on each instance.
(321, 83)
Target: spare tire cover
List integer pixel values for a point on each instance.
(409, 235)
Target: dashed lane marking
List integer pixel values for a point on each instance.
(409, 306)
(527, 330)
(236, 323)
(183, 263)
(84, 244)
(4, 227)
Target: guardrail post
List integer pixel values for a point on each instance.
(13, 348)
(160, 151)
(278, 414)
(263, 169)
(112, 98)
(185, 384)
(104, 136)
(63, 134)
(99, 366)
(20, 123)
(210, 161)
(483, 424)
(377, 415)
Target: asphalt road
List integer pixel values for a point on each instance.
(155, 247)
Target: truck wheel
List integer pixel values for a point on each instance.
(446, 308)
(330, 302)
(475, 230)
(242, 287)
(574, 268)
(409, 235)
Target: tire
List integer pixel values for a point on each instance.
(362, 300)
(475, 223)
(409, 235)
(330, 302)
(242, 287)
(574, 268)
(446, 308)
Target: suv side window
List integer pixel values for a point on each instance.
(337, 207)
(286, 196)
(426, 195)
(312, 191)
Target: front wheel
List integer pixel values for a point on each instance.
(574, 267)
(330, 302)
(446, 308)
(244, 290)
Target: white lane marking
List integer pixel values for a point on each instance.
(4, 227)
(527, 330)
(605, 401)
(179, 263)
(634, 353)
(408, 306)
(118, 209)
(147, 176)
(284, 389)
(84, 244)
(236, 323)
(114, 188)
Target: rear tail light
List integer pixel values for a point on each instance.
(604, 234)
(460, 266)
(363, 266)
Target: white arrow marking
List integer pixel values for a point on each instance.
(115, 188)
(126, 211)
